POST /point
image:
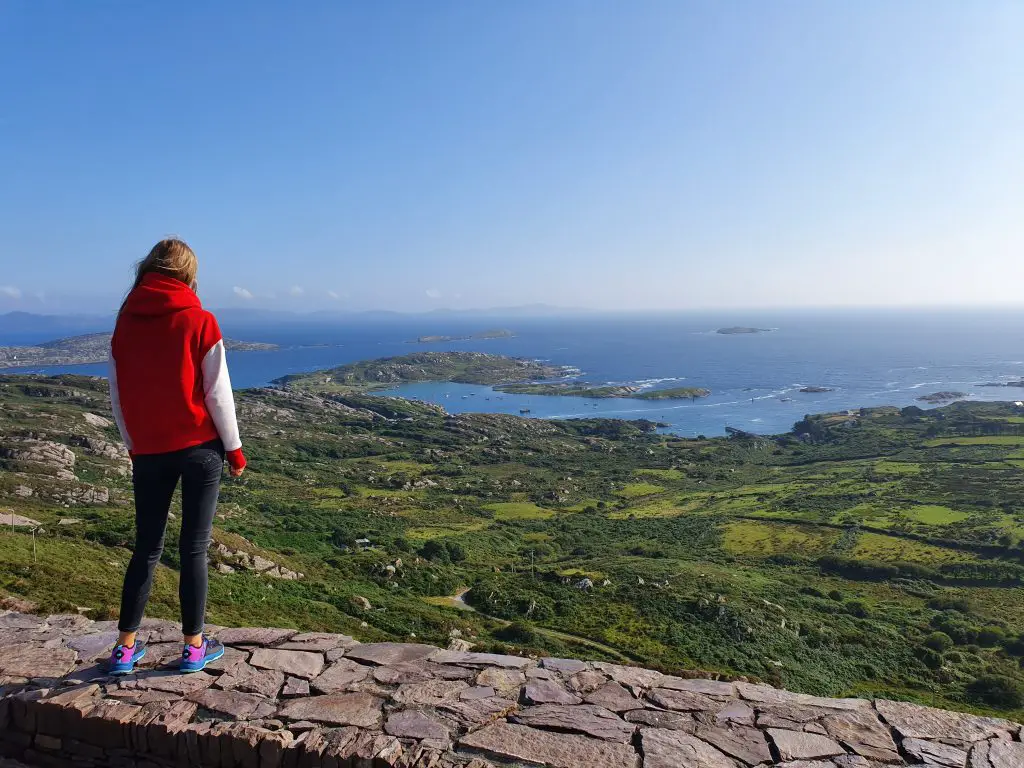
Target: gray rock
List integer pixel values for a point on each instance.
(935, 753)
(634, 677)
(565, 666)
(997, 753)
(746, 744)
(298, 663)
(683, 701)
(389, 654)
(864, 733)
(411, 724)
(613, 696)
(340, 676)
(265, 682)
(473, 713)
(430, 692)
(547, 692)
(254, 636)
(504, 680)
(656, 718)
(511, 742)
(359, 709)
(317, 641)
(470, 659)
(913, 721)
(587, 719)
(233, 704)
(677, 749)
(796, 745)
(32, 660)
(294, 688)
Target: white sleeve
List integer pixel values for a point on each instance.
(115, 401)
(220, 401)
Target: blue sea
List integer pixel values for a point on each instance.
(868, 358)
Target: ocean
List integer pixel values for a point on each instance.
(866, 357)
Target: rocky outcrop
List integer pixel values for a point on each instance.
(280, 698)
(232, 560)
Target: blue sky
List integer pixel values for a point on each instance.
(614, 155)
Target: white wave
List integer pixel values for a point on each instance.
(924, 384)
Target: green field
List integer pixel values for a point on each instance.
(839, 550)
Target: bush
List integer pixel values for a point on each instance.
(517, 632)
(836, 595)
(990, 636)
(939, 642)
(997, 691)
(857, 608)
(930, 658)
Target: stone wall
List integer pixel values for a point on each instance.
(280, 698)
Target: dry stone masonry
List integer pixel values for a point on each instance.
(284, 699)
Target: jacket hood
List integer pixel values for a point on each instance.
(159, 294)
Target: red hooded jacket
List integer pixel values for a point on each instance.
(169, 383)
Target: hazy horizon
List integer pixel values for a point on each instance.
(656, 157)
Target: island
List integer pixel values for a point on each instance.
(942, 397)
(737, 329)
(497, 333)
(457, 367)
(1019, 383)
(89, 348)
(815, 390)
(583, 389)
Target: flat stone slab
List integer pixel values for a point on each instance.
(302, 664)
(913, 721)
(254, 636)
(265, 682)
(359, 709)
(389, 654)
(32, 660)
(796, 745)
(558, 750)
(339, 676)
(470, 659)
(587, 719)
(411, 724)
(677, 749)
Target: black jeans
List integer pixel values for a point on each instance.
(155, 477)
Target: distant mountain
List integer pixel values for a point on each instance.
(30, 328)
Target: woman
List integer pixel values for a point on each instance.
(172, 401)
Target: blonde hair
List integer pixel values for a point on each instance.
(171, 257)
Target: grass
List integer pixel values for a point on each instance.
(897, 468)
(749, 537)
(932, 514)
(519, 510)
(663, 474)
(979, 440)
(636, 490)
(878, 546)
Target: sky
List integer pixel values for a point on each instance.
(611, 155)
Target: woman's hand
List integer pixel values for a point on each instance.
(236, 472)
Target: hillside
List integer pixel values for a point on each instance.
(88, 348)
(874, 554)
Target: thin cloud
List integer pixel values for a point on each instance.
(244, 293)
(433, 293)
(10, 291)
(334, 295)
(296, 290)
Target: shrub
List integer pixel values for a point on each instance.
(857, 608)
(990, 636)
(939, 642)
(997, 691)
(929, 658)
(517, 632)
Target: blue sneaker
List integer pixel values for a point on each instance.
(124, 657)
(194, 659)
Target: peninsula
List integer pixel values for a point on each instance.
(89, 348)
(583, 389)
(457, 367)
(738, 329)
(942, 397)
(497, 333)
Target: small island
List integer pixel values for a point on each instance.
(1019, 383)
(497, 333)
(583, 389)
(457, 367)
(815, 390)
(88, 349)
(738, 329)
(942, 397)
